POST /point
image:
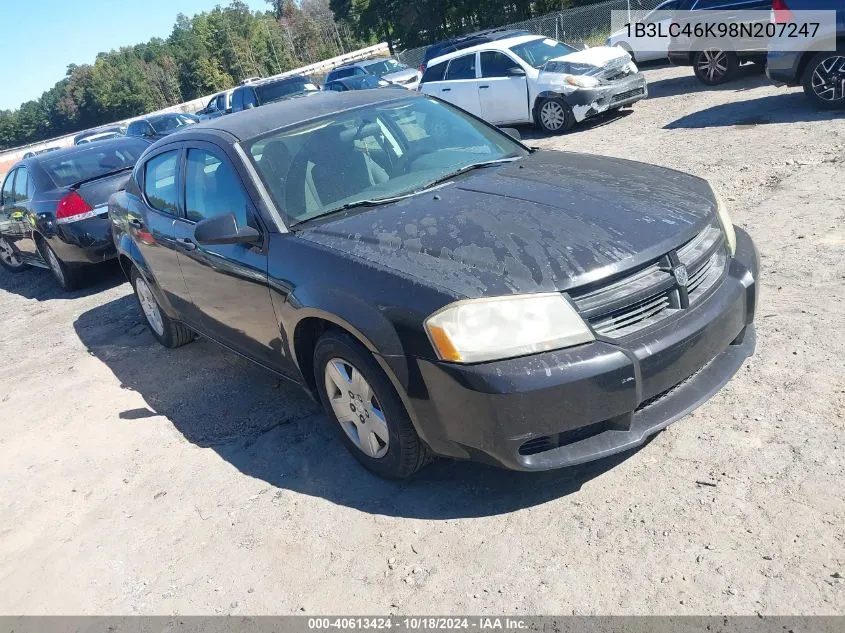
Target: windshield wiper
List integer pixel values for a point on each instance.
(470, 167)
(367, 202)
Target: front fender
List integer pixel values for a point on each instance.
(361, 319)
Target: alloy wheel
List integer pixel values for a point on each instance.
(149, 306)
(828, 80)
(713, 63)
(552, 115)
(9, 255)
(356, 408)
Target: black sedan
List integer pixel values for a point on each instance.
(439, 287)
(53, 208)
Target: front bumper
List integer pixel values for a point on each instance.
(572, 406)
(586, 103)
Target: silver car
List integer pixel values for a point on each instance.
(385, 68)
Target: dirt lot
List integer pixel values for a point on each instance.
(139, 480)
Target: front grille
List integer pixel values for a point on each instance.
(627, 95)
(643, 298)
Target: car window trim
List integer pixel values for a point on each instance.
(220, 155)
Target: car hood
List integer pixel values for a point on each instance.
(597, 56)
(401, 75)
(551, 221)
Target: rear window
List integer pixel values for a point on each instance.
(283, 89)
(434, 73)
(171, 123)
(93, 161)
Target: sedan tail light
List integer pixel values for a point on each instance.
(72, 208)
(780, 12)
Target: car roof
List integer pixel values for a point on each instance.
(498, 45)
(256, 121)
(274, 80)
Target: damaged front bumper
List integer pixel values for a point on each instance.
(588, 102)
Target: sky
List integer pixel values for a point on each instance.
(41, 37)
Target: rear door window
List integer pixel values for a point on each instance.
(238, 99)
(8, 188)
(462, 67)
(160, 182)
(435, 72)
(21, 191)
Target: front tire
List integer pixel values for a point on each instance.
(357, 395)
(714, 66)
(824, 80)
(166, 331)
(10, 259)
(554, 115)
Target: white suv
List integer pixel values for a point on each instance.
(533, 79)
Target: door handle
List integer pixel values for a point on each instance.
(186, 244)
(446, 90)
(483, 87)
(135, 224)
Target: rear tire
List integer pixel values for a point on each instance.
(554, 115)
(67, 278)
(714, 66)
(10, 258)
(166, 331)
(373, 423)
(824, 80)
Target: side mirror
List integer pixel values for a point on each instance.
(516, 71)
(249, 106)
(512, 132)
(224, 229)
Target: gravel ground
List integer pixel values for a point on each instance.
(136, 480)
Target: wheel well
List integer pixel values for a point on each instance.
(305, 337)
(125, 264)
(806, 57)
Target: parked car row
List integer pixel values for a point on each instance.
(820, 73)
(439, 287)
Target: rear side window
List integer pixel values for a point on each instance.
(495, 64)
(212, 188)
(160, 182)
(434, 73)
(461, 68)
(7, 188)
(238, 99)
(340, 73)
(21, 192)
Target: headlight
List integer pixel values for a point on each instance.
(725, 221)
(581, 81)
(479, 330)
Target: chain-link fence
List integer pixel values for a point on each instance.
(581, 25)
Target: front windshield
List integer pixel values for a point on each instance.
(385, 67)
(538, 52)
(376, 152)
(284, 89)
